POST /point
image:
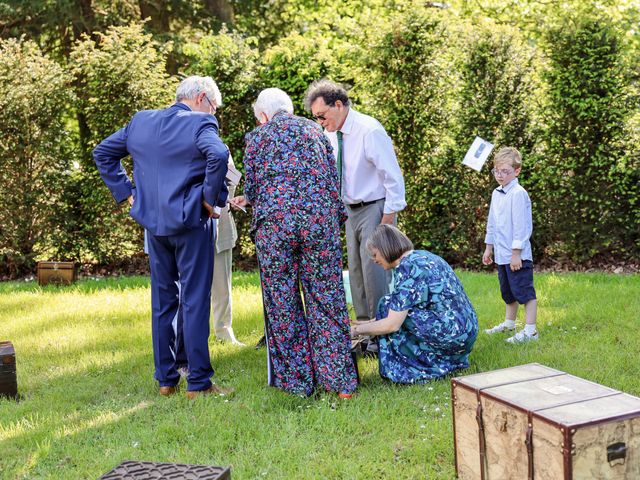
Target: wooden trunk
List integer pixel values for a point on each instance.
(57, 273)
(8, 380)
(537, 423)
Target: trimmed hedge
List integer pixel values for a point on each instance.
(568, 100)
(34, 152)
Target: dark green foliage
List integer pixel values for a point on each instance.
(297, 60)
(58, 25)
(34, 152)
(559, 81)
(122, 74)
(232, 62)
(496, 101)
(415, 70)
(591, 184)
(445, 84)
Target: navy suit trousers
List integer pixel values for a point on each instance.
(188, 258)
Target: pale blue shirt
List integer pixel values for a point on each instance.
(510, 224)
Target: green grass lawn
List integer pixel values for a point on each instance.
(89, 401)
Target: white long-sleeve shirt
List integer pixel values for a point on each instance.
(370, 169)
(510, 223)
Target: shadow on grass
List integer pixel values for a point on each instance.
(47, 323)
(112, 404)
(85, 285)
(94, 284)
(92, 423)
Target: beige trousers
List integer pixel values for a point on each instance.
(221, 304)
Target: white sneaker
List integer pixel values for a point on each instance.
(522, 337)
(501, 327)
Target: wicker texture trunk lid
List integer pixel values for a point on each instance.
(132, 470)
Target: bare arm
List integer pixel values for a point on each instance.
(388, 218)
(390, 324)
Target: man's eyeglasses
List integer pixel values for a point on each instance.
(504, 173)
(213, 107)
(320, 117)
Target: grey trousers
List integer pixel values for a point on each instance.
(369, 282)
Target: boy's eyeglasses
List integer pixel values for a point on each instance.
(504, 173)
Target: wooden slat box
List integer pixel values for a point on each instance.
(534, 422)
(132, 470)
(57, 273)
(8, 380)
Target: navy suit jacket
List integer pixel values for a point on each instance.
(178, 161)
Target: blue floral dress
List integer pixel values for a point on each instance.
(440, 329)
(292, 184)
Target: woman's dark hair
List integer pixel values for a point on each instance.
(390, 242)
(328, 90)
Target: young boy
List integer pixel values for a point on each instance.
(509, 228)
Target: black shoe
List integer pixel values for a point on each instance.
(371, 351)
(366, 347)
(261, 343)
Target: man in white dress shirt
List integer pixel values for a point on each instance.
(371, 182)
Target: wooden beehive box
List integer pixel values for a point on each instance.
(57, 273)
(534, 422)
(8, 380)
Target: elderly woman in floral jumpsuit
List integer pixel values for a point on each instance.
(292, 185)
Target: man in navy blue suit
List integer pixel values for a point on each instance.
(179, 167)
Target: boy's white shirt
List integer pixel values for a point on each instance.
(510, 223)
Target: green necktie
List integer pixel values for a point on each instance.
(339, 166)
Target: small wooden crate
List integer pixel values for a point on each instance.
(131, 470)
(57, 273)
(537, 423)
(8, 379)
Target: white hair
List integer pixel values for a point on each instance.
(190, 87)
(271, 101)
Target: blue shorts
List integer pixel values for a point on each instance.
(517, 286)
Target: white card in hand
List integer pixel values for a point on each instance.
(233, 175)
(477, 154)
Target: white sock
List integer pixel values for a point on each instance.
(530, 329)
(509, 323)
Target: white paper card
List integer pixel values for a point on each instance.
(477, 154)
(233, 175)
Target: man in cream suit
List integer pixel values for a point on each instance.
(221, 303)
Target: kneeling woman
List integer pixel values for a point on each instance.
(427, 325)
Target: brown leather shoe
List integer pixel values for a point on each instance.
(212, 390)
(166, 391)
